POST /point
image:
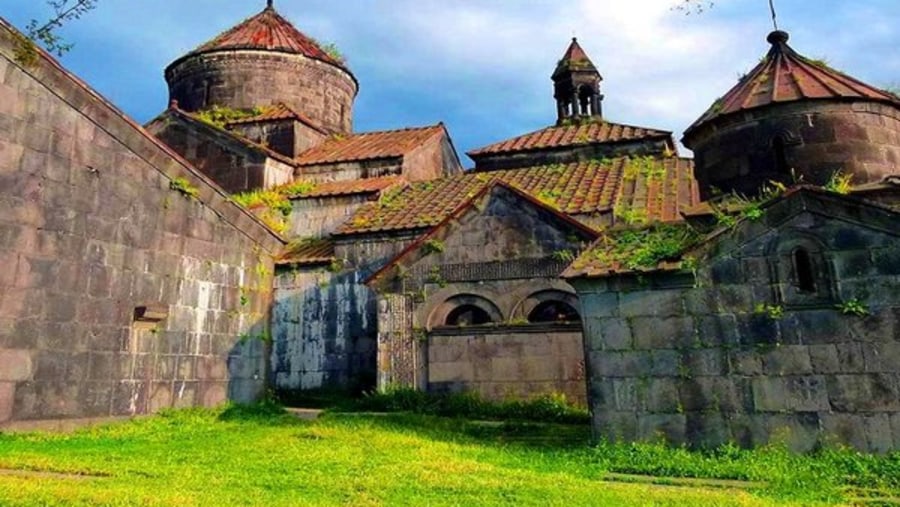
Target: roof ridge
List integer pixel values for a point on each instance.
(403, 129)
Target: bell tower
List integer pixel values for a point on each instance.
(576, 86)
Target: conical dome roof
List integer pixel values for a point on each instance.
(268, 31)
(575, 59)
(785, 76)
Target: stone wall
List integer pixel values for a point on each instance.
(120, 295)
(319, 217)
(233, 165)
(820, 138)
(243, 79)
(324, 322)
(324, 330)
(508, 362)
(343, 171)
(287, 137)
(434, 159)
(740, 353)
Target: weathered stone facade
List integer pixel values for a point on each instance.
(131, 282)
(820, 139)
(740, 351)
(244, 79)
(494, 259)
(235, 166)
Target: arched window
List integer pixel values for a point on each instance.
(805, 271)
(553, 311)
(464, 310)
(468, 315)
(585, 93)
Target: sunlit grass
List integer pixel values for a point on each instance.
(246, 457)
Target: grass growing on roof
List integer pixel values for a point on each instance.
(260, 456)
(642, 248)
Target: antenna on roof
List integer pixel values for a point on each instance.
(771, 8)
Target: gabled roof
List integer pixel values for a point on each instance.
(268, 31)
(350, 187)
(369, 145)
(584, 134)
(786, 76)
(575, 59)
(277, 112)
(175, 112)
(49, 73)
(308, 252)
(471, 205)
(611, 255)
(652, 189)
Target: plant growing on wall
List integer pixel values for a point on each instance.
(184, 187)
(854, 307)
(840, 183)
(433, 246)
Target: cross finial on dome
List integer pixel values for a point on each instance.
(270, 4)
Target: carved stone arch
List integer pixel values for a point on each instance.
(526, 308)
(801, 269)
(457, 307)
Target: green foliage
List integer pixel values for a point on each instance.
(647, 247)
(184, 186)
(219, 116)
(433, 246)
(549, 408)
(273, 206)
(840, 183)
(46, 33)
(854, 307)
(648, 167)
(773, 312)
(258, 455)
(563, 256)
(630, 216)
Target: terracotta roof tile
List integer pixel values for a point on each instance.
(584, 134)
(279, 111)
(268, 31)
(643, 188)
(786, 76)
(308, 252)
(350, 187)
(369, 145)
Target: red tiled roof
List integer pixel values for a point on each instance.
(268, 31)
(584, 134)
(786, 76)
(279, 111)
(369, 145)
(350, 187)
(575, 59)
(308, 252)
(651, 189)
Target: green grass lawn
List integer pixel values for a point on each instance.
(241, 456)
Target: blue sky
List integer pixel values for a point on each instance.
(483, 67)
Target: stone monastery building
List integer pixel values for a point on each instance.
(247, 238)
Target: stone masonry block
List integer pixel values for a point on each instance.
(864, 393)
(663, 333)
(7, 400)
(660, 303)
(615, 334)
(788, 360)
(783, 394)
(15, 365)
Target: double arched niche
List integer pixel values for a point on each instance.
(542, 307)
